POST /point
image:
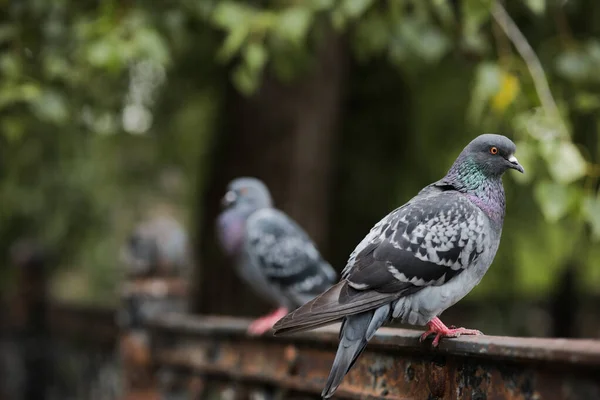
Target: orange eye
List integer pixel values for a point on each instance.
(493, 150)
(243, 190)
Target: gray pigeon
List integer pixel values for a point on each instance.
(420, 259)
(272, 253)
(158, 245)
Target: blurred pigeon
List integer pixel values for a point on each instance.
(420, 259)
(157, 245)
(272, 253)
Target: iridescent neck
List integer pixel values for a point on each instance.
(490, 198)
(487, 192)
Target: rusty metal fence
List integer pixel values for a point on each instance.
(152, 348)
(84, 361)
(208, 356)
(181, 356)
(76, 357)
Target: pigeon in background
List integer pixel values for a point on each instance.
(271, 252)
(157, 245)
(420, 259)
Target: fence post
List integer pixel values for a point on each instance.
(157, 266)
(30, 307)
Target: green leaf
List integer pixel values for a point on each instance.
(592, 48)
(372, 35)
(573, 65)
(150, 44)
(12, 128)
(564, 160)
(10, 65)
(355, 8)
(27, 92)
(245, 80)
(433, 44)
(488, 79)
(591, 210)
(423, 42)
(51, 106)
(103, 53)
(7, 32)
(555, 200)
(232, 44)
(537, 124)
(293, 24)
(320, 5)
(475, 13)
(338, 20)
(398, 52)
(255, 56)
(56, 67)
(587, 102)
(443, 10)
(230, 15)
(537, 6)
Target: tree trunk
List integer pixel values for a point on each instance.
(283, 135)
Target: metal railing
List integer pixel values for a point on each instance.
(195, 351)
(160, 351)
(205, 357)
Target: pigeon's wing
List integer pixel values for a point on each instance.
(428, 241)
(286, 256)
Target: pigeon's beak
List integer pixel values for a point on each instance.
(229, 198)
(514, 164)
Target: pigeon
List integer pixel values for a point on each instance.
(419, 260)
(271, 252)
(158, 245)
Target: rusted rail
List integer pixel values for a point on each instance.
(394, 366)
(95, 326)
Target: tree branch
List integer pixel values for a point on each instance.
(511, 30)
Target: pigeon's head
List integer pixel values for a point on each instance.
(491, 155)
(247, 193)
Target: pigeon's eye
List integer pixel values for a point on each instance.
(244, 190)
(493, 150)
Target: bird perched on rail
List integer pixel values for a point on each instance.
(157, 245)
(272, 253)
(420, 259)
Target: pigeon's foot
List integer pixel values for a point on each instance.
(264, 324)
(441, 331)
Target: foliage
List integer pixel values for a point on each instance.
(509, 90)
(81, 100)
(99, 100)
(415, 34)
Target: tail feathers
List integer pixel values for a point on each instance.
(354, 335)
(306, 327)
(335, 304)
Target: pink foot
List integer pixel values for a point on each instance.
(436, 326)
(263, 324)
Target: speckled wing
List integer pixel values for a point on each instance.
(286, 256)
(428, 241)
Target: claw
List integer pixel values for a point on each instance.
(442, 331)
(425, 335)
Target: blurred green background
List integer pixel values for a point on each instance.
(113, 111)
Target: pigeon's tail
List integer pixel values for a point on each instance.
(355, 333)
(337, 302)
